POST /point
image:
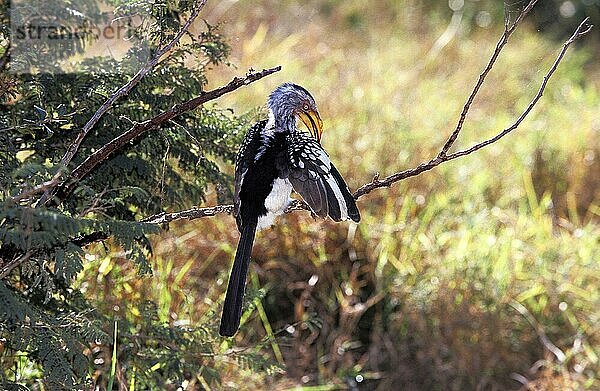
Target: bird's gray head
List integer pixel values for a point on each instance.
(289, 101)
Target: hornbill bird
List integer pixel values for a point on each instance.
(274, 158)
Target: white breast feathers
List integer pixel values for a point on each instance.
(276, 202)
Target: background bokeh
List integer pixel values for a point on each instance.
(481, 274)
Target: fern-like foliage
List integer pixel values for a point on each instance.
(47, 328)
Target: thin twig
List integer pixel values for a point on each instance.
(558, 353)
(190, 214)
(89, 164)
(581, 31)
(442, 157)
(508, 30)
(124, 90)
(27, 194)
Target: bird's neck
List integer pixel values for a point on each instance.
(281, 123)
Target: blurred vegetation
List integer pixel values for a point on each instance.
(554, 18)
(481, 274)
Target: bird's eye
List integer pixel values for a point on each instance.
(305, 107)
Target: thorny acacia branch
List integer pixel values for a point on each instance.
(194, 213)
(122, 91)
(442, 156)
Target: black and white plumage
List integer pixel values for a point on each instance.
(274, 158)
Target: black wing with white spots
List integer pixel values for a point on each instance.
(316, 179)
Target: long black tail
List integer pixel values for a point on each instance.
(232, 307)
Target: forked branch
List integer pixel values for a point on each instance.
(508, 30)
(442, 157)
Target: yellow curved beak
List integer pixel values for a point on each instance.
(313, 122)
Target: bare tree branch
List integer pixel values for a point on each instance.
(583, 29)
(441, 157)
(14, 263)
(190, 214)
(122, 91)
(27, 194)
(508, 30)
(88, 165)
